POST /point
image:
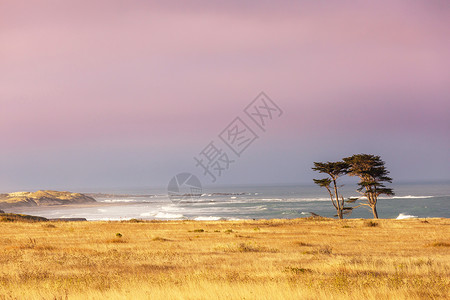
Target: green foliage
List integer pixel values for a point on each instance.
(334, 170)
(372, 173)
(325, 182)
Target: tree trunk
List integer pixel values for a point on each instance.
(374, 211)
(338, 204)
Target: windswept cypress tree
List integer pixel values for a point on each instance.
(372, 174)
(334, 170)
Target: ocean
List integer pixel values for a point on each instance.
(431, 200)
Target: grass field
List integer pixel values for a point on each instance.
(266, 259)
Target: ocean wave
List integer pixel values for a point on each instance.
(106, 219)
(147, 214)
(270, 199)
(118, 200)
(403, 216)
(321, 199)
(411, 197)
(162, 215)
(172, 208)
(253, 200)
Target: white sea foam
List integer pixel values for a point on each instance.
(106, 219)
(270, 199)
(172, 208)
(118, 200)
(405, 216)
(162, 215)
(147, 214)
(102, 210)
(411, 197)
(259, 207)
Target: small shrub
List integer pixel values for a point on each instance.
(117, 241)
(242, 236)
(199, 230)
(317, 218)
(49, 226)
(440, 244)
(272, 223)
(325, 250)
(228, 231)
(302, 244)
(135, 221)
(159, 239)
(243, 247)
(370, 223)
(423, 262)
(297, 270)
(118, 235)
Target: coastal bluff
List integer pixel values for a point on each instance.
(43, 198)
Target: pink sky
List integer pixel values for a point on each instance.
(137, 88)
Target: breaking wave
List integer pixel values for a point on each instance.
(411, 197)
(403, 216)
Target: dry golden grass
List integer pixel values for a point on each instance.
(267, 259)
